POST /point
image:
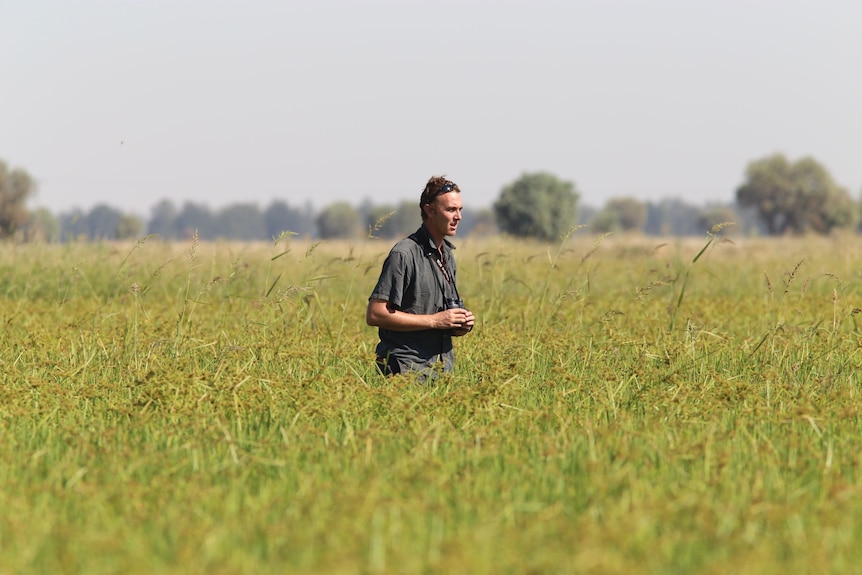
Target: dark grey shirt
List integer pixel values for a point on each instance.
(412, 281)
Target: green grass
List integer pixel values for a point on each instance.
(623, 406)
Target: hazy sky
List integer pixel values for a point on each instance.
(127, 102)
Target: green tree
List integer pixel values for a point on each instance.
(621, 214)
(43, 226)
(673, 217)
(407, 218)
(537, 205)
(859, 210)
(338, 220)
(796, 197)
(242, 221)
(196, 218)
(631, 213)
(101, 222)
(397, 221)
(605, 222)
(717, 214)
(479, 223)
(163, 220)
(16, 187)
(377, 219)
(73, 225)
(280, 217)
(129, 227)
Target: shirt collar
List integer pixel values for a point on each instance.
(424, 239)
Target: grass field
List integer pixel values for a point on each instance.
(624, 405)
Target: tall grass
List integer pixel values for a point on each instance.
(211, 407)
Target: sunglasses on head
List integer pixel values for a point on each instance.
(444, 189)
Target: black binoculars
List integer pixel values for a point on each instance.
(454, 303)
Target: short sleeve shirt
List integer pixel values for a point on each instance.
(412, 281)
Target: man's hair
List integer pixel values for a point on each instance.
(436, 186)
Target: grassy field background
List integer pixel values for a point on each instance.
(624, 405)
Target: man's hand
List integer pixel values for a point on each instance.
(464, 322)
(380, 314)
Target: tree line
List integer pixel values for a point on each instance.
(777, 197)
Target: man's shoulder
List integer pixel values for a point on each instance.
(407, 246)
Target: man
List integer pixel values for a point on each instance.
(416, 304)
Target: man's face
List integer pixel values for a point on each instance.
(444, 213)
